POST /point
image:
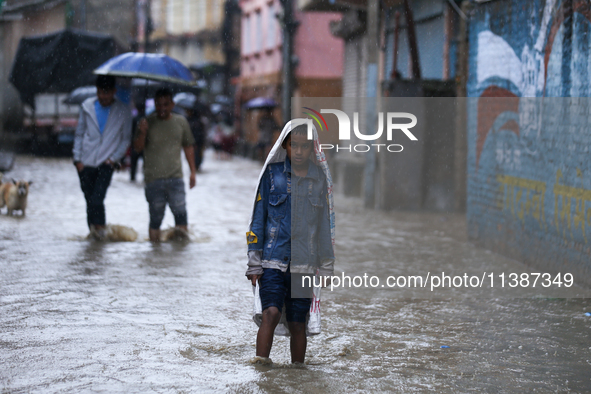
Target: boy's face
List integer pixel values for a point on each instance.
(299, 149)
(164, 106)
(106, 96)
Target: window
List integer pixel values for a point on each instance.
(169, 15)
(246, 36)
(271, 26)
(174, 16)
(259, 31)
(187, 5)
(201, 14)
(156, 13)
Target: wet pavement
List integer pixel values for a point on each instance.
(84, 316)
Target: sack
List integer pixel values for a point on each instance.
(313, 320)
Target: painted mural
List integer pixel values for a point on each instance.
(529, 174)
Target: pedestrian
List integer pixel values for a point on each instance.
(283, 243)
(221, 136)
(195, 119)
(267, 127)
(162, 135)
(140, 106)
(228, 139)
(101, 140)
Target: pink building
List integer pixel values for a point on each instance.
(320, 57)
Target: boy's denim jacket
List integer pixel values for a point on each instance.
(291, 225)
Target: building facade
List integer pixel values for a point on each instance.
(529, 189)
(318, 54)
(114, 17)
(202, 34)
(188, 30)
(432, 177)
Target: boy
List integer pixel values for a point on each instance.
(282, 242)
(100, 142)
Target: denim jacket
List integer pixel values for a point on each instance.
(280, 237)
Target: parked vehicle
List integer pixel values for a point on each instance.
(45, 70)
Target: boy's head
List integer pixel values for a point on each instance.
(105, 89)
(163, 102)
(298, 146)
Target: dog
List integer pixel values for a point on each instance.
(117, 233)
(113, 233)
(14, 195)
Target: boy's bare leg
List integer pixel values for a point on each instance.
(298, 341)
(271, 317)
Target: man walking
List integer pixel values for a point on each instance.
(100, 142)
(161, 136)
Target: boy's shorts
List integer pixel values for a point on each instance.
(169, 191)
(275, 290)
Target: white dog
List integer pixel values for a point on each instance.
(113, 233)
(14, 196)
(117, 233)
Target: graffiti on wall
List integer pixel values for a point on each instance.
(531, 132)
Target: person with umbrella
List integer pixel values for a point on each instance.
(267, 127)
(100, 142)
(161, 136)
(267, 124)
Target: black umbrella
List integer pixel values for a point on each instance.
(58, 62)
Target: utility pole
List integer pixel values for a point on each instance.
(289, 25)
(461, 139)
(373, 19)
(149, 25)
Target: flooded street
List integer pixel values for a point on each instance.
(85, 316)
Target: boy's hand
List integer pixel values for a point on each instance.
(253, 278)
(192, 180)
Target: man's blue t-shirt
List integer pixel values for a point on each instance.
(102, 114)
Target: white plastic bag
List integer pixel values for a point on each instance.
(313, 320)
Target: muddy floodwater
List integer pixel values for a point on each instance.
(84, 316)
